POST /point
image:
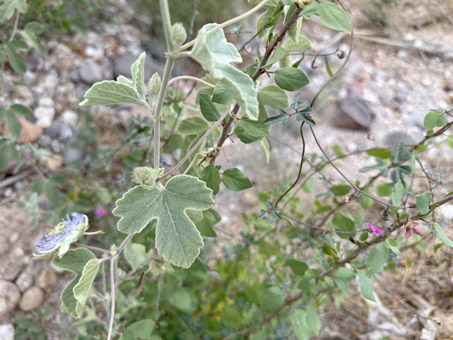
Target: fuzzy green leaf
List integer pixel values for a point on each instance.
(138, 74)
(422, 202)
(377, 258)
(343, 223)
(249, 131)
(177, 238)
(211, 176)
(110, 92)
(234, 179)
(215, 54)
(443, 237)
(14, 125)
(334, 17)
(208, 108)
(7, 8)
(16, 60)
(434, 118)
(84, 264)
(135, 254)
(290, 78)
(301, 329)
(313, 320)
(366, 286)
(205, 225)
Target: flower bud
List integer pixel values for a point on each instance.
(154, 84)
(303, 3)
(178, 34)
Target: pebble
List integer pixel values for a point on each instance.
(354, 113)
(54, 162)
(24, 281)
(32, 299)
(44, 116)
(46, 101)
(91, 72)
(122, 66)
(54, 130)
(50, 82)
(24, 92)
(18, 252)
(55, 146)
(7, 192)
(9, 296)
(45, 141)
(7, 332)
(70, 118)
(19, 185)
(14, 237)
(47, 279)
(392, 139)
(12, 274)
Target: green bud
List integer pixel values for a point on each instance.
(146, 176)
(178, 34)
(303, 3)
(154, 84)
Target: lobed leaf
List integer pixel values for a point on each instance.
(215, 54)
(177, 238)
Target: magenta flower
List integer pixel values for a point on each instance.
(100, 212)
(410, 227)
(373, 229)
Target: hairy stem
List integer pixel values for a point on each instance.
(201, 81)
(165, 13)
(195, 147)
(226, 23)
(112, 303)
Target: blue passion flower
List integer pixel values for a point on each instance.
(62, 235)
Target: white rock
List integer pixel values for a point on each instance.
(44, 116)
(447, 211)
(50, 82)
(9, 296)
(24, 281)
(91, 72)
(46, 101)
(7, 332)
(70, 118)
(32, 299)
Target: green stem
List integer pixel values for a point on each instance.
(166, 20)
(165, 13)
(190, 78)
(226, 23)
(195, 147)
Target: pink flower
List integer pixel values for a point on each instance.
(100, 212)
(410, 227)
(373, 229)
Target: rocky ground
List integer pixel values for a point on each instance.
(396, 74)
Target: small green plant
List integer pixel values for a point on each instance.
(27, 329)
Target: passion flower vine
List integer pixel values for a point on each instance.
(62, 236)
